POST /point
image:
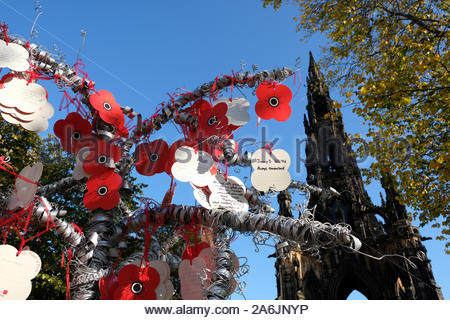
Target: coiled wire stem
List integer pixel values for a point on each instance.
(307, 233)
(223, 277)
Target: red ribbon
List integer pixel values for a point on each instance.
(10, 169)
(4, 29)
(148, 232)
(77, 228)
(14, 221)
(188, 230)
(79, 68)
(69, 260)
(299, 82)
(34, 74)
(67, 100)
(269, 147)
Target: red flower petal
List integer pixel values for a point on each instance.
(123, 292)
(108, 109)
(283, 112)
(103, 191)
(150, 276)
(131, 277)
(221, 109)
(101, 154)
(198, 107)
(74, 132)
(265, 90)
(263, 110)
(213, 122)
(151, 158)
(147, 294)
(283, 93)
(273, 102)
(128, 274)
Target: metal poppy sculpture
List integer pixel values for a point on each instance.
(107, 150)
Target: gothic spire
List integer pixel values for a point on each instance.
(319, 101)
(313, 72)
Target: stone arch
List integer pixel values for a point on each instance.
(349, 278)
(357, 294)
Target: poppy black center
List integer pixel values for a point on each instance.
(137, 287)
(76, 135)
(274, 102)
(107, 106)
(102, 191)
(101, 159)
(154, 157)
(212, 120)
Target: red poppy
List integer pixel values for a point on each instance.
(151, 158)
(213, 122)
(273, 101)
(74, 133)
(108, 109)
(103, 191)
(102, 158)
(192, 252)
(135, 283)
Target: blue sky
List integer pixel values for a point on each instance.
(142, 50)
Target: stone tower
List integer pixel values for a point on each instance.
(329, 163)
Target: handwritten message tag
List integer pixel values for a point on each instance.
(228, 194)
(270, 170)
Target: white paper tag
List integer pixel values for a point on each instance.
(208, 255)
(25, 191)
(190, 281)
(27, 98)
(38, 124)
(78, 171)
(228, 194)
(191, 166)
(16, 272)
(165, 289)
(202, 198)
(13, 56)
(25, 104)
(10, 119)
(237, 113)
(270, 170)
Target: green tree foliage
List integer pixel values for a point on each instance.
(26, 148)
(20, 146)
(393, 58)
